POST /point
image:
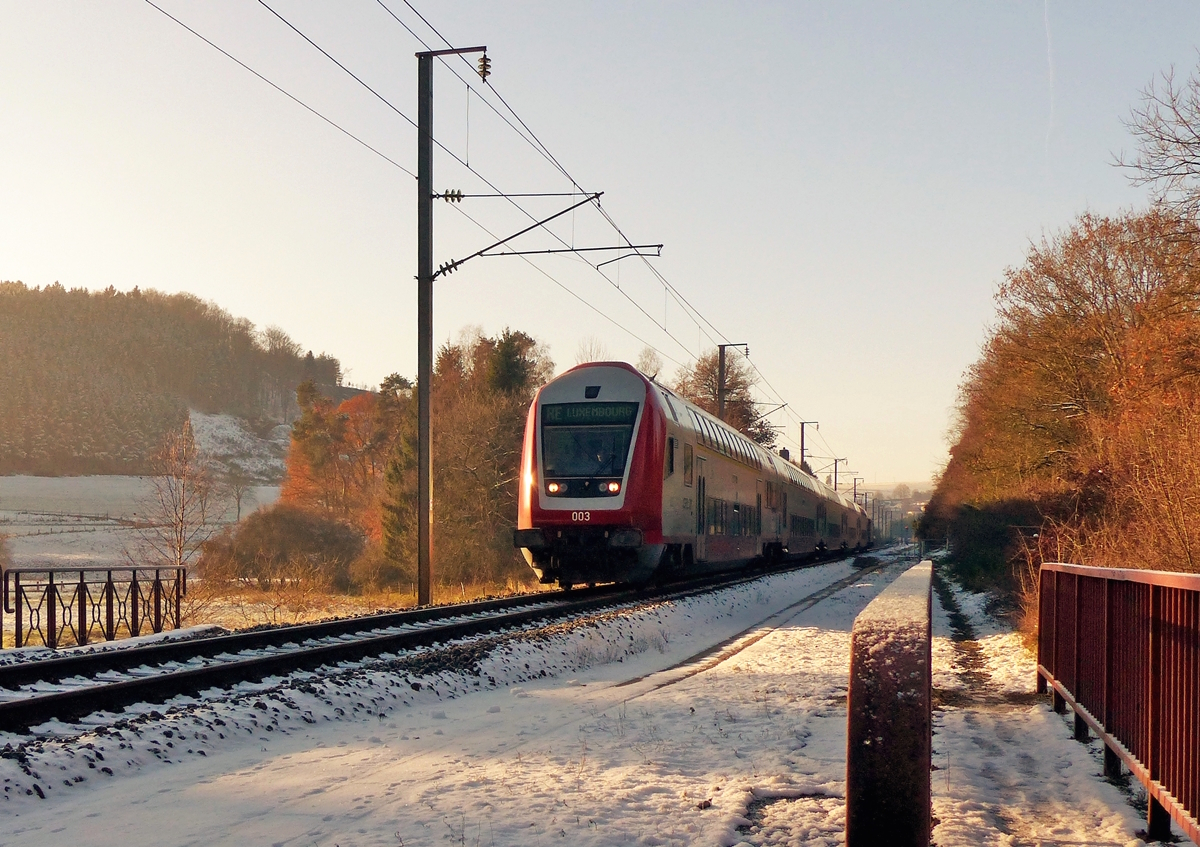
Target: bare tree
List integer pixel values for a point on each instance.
(700, 384)
(649, 362)
(1166, 125)
(238, 486)
(591, 349)
(278, 343)
(177, 511)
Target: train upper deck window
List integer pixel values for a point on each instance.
(586, 439)
(670, 405)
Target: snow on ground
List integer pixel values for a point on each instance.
(226, 440)
(80, 521)
(596, 733)
(651, 727)
(1008, 769)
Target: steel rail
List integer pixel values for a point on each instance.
(87, 662)
(21, 714)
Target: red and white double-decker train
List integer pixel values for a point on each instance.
(622, 480)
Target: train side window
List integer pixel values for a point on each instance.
(669, 464)
(687, 464)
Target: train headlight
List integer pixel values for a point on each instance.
(553, 487)
(613, 487)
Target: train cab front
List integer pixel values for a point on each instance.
(587, 505)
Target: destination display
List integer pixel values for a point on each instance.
(595, 414)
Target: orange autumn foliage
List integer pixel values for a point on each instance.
(1079, 427)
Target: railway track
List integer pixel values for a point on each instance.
(70, 687)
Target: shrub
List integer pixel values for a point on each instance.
(282, 543)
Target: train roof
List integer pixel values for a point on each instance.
(718, 435)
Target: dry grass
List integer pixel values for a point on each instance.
(242, 604)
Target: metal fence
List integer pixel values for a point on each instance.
(61, 606)
(1121, 648)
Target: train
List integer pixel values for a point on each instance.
(623, 480)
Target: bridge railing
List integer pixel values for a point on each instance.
(1121, 648)
(61, 606)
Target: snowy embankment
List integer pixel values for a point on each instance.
(604, 733)
(227, 442)
(609, 734)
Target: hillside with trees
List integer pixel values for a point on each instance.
(93, 381)
(1078, 436)
(351, 474)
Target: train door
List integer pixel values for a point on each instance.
(758, 504)
(701, 511)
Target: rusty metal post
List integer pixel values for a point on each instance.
(51, 634)
(1042, 579)
(19, 598)
(135, 624)
(1060, 705)
(1081, 728)
(1158, 822)
(1107, 696)
(110, 627)
(180, 590)
(1079, 638)
(83, 625)
(157, 592)
(1112, 763)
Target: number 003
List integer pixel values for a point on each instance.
(581, 516)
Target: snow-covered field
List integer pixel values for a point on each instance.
(651, 727)
(81, 521)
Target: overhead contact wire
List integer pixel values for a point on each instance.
(698, 317)
(396, 164)
(284, 92)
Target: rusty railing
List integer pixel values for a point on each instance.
(62, 606)
(1121, 648)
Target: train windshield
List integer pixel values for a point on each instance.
(586, 439)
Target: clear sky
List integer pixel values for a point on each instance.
(839, 185)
